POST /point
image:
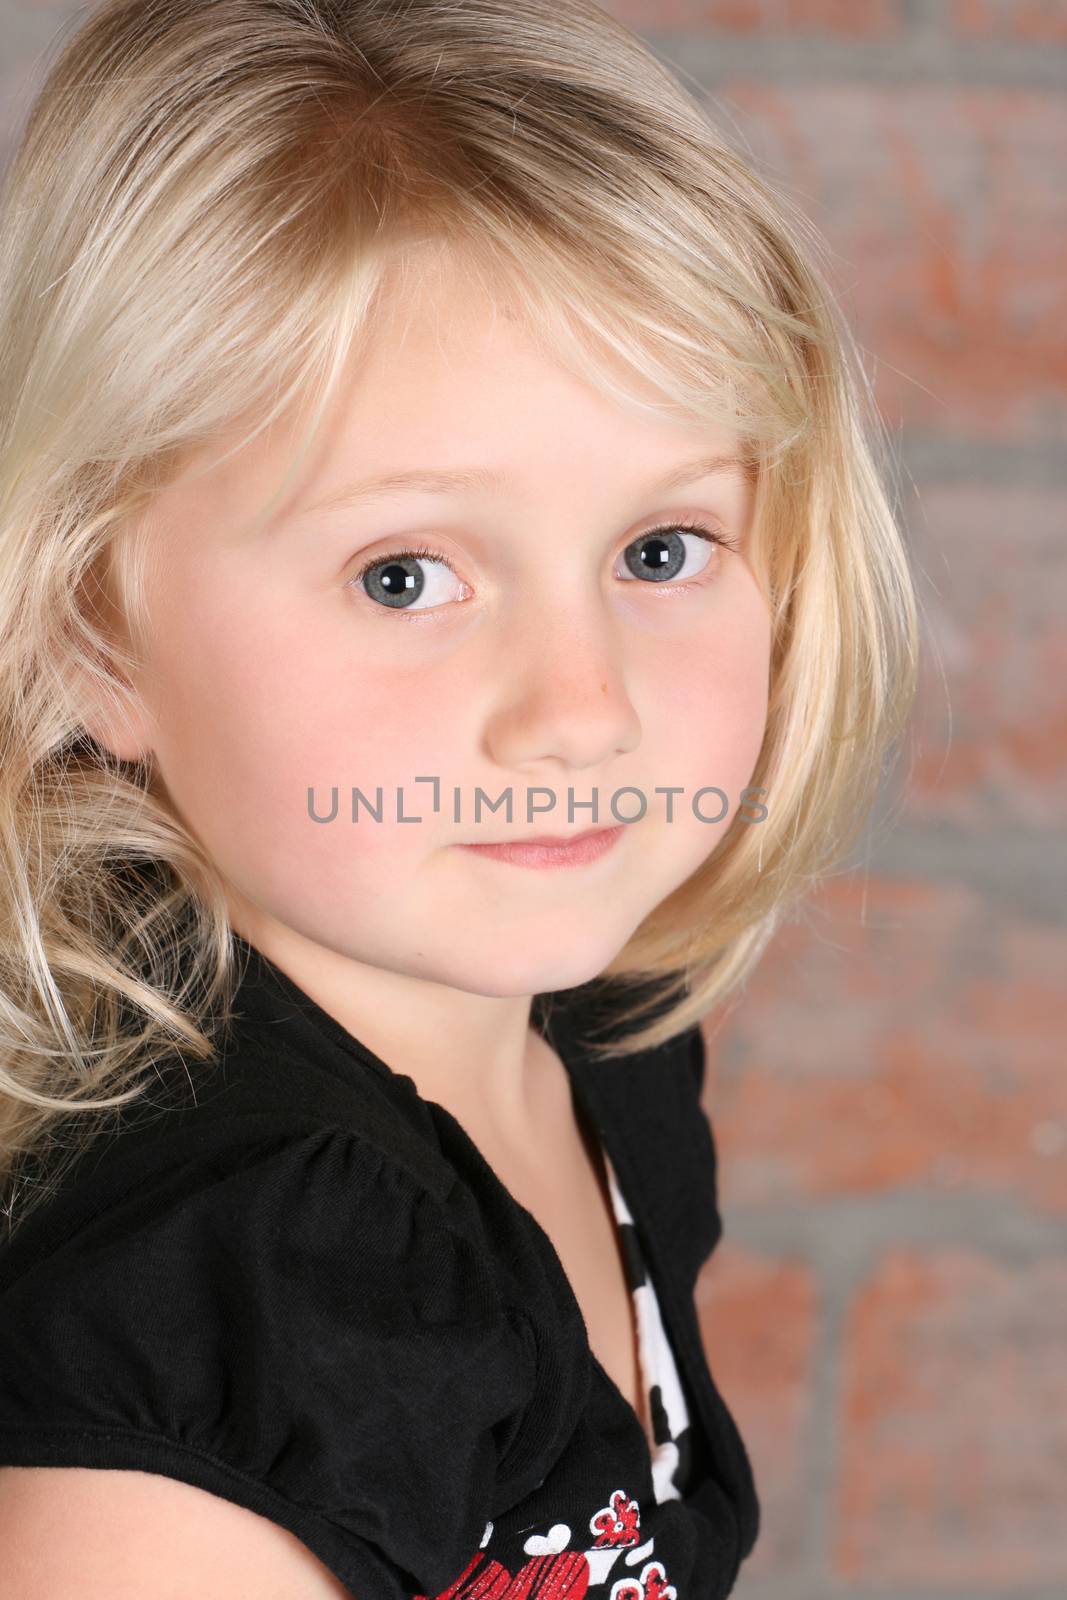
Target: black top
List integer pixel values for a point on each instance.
(306, 1291)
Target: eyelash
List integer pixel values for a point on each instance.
(421, 553)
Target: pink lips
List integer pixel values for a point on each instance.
(573, 852)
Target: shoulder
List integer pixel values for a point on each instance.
(293, 1321)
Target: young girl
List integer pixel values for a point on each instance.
(451, 611)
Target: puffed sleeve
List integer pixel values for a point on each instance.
(297, 1326)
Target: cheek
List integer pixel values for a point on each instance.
(719, 708)
(259, 700)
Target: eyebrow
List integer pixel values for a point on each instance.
(469, 479)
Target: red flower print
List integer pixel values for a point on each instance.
(558, 1574)
(652, 1585)
(619, 1523)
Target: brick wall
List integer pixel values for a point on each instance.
(888, 1311)
(887, 1314)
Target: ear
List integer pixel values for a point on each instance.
(120, 727)
(108, 704)
(116, 717)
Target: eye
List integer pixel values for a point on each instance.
(661, 553)
(397, 581)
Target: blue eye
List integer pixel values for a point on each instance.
(660, 553)
(397, 581)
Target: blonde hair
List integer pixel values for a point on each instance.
(196, 227)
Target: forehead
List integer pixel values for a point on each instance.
(452, 374)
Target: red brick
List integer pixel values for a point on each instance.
(947, 225)
(988, 738)
(910, 1037)
(759, 1321)
(954, 1397)
(1036, 20)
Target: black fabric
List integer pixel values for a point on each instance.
(294, 1282)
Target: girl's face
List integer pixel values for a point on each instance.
(541, 661)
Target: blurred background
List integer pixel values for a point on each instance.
(887, 1312)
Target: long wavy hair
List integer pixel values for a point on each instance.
(195, 227)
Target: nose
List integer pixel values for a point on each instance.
(563, 695)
